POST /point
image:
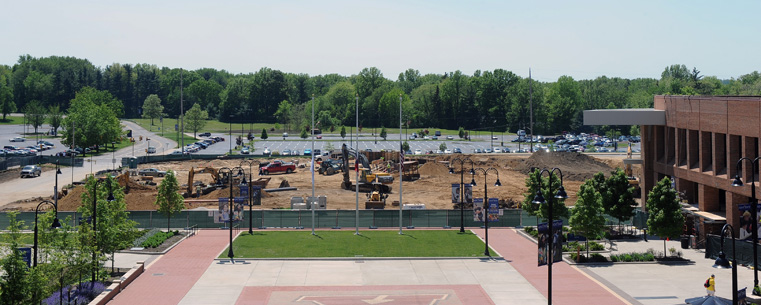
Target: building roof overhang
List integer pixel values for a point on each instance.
(634, 116)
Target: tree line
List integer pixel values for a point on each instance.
(497, 99)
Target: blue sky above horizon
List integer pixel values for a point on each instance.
(583, 39)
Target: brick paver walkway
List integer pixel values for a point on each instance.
(167, 280)
(569, 285)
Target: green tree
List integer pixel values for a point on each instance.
(304, 134)
(343, 132)
(55, 118)
(284, 113)
(152, 108)
(664, 218)
(92, 116)
(35, 114)
(461, 132)
(587, 215)
(168, 200)
(383, 133)
(405, 146)
(619, 201)
(19, 284)
(264, 134)
(7, 106)
(195, 118)
(533, 183)
(443, 146)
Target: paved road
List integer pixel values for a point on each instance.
(44, 185)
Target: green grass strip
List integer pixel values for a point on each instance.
(299, 244)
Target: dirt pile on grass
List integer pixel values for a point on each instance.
(433, 168)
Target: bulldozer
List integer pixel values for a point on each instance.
(368, 180)
(376, 199)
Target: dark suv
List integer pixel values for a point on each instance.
(205, 134)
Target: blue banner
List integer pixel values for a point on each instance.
(26, 255)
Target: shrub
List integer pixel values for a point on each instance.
(633, 257)
(595, 246)
(81, 294)
(139, 242)
(158, 239)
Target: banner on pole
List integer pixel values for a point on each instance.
(455, 193)
(543, 243)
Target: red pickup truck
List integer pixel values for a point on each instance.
(278, 166)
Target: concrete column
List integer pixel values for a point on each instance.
(733, 213)
(649, 176)
(733, 151)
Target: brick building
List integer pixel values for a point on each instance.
(698, 141)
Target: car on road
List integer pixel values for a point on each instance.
(151, 172)
(450, 138)
(413, 135)
(285, 135)
(319, 137)
(245, 150)
(18, 139)
(31, 171)
(150, 150)
(205, 134)
(176, 152)
(494, 138)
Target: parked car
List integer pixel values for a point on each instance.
(307, 152)
(245, 150)
(285, 135)
(10, 147)
(18, 139)
(151, 172)
(317, 152)
(205, 134)
(286, 152)
(418, 152)
(31, 171)
(150, 150)
(457, 150)
(447, 151)
(497, 150)
(450, 138)
(266, 151)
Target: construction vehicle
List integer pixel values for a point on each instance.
(208, 170)
(366, 175)
(633, 181)
(376, 199)
(409, 171)
(330, 167)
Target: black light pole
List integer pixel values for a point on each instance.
(539, 199)
(723, 263)
(94, 219)
(462, 186)
(754, 211)
(231, 137)
(56, 224)
(486, 205)
(230, 177)
(250, 194)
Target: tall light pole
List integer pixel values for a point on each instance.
(57, 172)
(231, 134)
(401, 164)
(723, 263)
(462, 186)
(356, 170)
(181, 133)
(250, 194)
(531, 108)
(311, 165)
(486, 204)
(229, 172)
(94, 219)
(754, 212)
(56, 224)
(539, 199)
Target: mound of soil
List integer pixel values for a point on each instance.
(575, 166)
(433, 169)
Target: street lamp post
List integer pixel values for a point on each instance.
(250, 194)
(231, 134)
(723, 263)
(754, 212)
(539, 199)
(230, 218)
(56, 224)
(94, 219)
(462, 186)
(486, 205)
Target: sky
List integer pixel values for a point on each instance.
(582, 39)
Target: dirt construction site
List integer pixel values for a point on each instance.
(433, 188)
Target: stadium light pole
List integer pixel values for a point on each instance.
(401, 164)
(311, 165)
(356, 170)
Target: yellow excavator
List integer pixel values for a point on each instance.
(368, 180)
(191, 174)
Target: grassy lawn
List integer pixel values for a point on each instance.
(11, 120)
(168, 133)
(423, 243)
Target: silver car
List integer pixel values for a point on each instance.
(31, 171)
(151, 172)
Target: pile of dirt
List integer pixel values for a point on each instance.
(72, 200)
(433, 169)
(575, 166)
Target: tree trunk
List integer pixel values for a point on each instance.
(664, 248)
(168, 219)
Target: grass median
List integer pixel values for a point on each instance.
(299, 244)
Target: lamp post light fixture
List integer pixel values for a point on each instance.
(462, 186)
(754, 212)
(94, 218)
(486, 205)
(56, 224)
(230, 218)
(723, 263)
(250, 163)
(539, 199)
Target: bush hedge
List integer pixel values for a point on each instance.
(158, 239)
